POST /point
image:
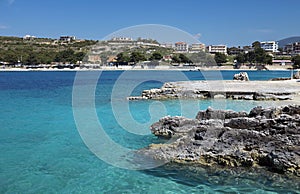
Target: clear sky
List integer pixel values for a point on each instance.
(231, 22)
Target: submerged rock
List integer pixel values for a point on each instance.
(265, 138)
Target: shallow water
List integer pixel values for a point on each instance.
(42, 151)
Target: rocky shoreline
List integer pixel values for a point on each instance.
(245, 90)
(264, 138)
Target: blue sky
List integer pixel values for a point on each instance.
(231, 22)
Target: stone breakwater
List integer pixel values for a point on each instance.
(250, 90)
(265, 138)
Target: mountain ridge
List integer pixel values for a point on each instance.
(283, 42)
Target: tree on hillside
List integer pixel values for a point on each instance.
(220, 58)
(123, 57)
(268, 59)
(241, 58)
(202, 58)
(32, 59)
(156, 56)
(184, 59)
(296, 61)
(256, 44)
(9, 56)
(79, 56)
(262, 57)
(65, 56)
(250, 57)
(137, 57)
(233, 51)
(175, 59)
(259, 55)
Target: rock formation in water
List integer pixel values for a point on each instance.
(267, 138)
(243, 76)
(296, 75)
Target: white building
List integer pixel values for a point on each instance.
(146, 44)
(166, 45)
(28, 37)
(122, 39)
(270, 46)
(197, 47)
(217, 49)
(181, 47)
(67, 38)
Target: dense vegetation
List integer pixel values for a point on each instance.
(136, 55)
(296, 61)
(257, 56)
(200, 58)
(14, 50)
(220, 58)
(42, 50)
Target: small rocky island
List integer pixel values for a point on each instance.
(264, 138)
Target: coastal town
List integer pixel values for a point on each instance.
(68, 52)
(138, 97)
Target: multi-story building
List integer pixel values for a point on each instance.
(288, 48)
(197, 47)
(247, 49)
(270, 46)
(296, 48)
(235, 50)
(217, 49)
(293, 48)
(181, 47)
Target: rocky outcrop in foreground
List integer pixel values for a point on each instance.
(265, 138)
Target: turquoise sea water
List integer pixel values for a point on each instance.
(42, 151)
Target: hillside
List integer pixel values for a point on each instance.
(283, 42)
(42, 50)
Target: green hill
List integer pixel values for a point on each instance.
(42, 50)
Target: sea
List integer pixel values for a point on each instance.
(43, 148)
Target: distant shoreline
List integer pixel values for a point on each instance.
(159, 68)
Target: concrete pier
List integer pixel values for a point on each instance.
(247, 90)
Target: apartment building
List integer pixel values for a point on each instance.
(269, 46)
(217, 49)
(181, 47)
